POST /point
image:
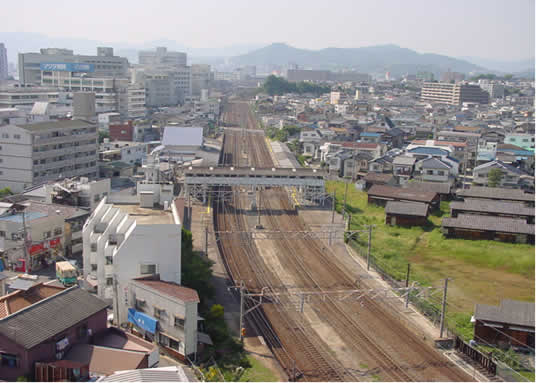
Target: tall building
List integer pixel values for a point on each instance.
(105, 64)
(167, 86)
(161, 56)
(494, 90)
(452, 76)
(201, 76)
(32, 154)
(3, 62)
(453, 94)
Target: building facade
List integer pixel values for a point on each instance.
(119, 247)
(453, 94)
(31, 154)
(105, 64)
(161, 56)
(3, 62)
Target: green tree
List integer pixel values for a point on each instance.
(102, 136)
(494, 177)
(196, 272)
(5, 192)
(508, 77)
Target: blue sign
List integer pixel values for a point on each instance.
(67, 67)
(142, 320)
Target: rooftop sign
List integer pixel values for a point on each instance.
(67, 67)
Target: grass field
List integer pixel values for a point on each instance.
(482, 271)
(257, 372)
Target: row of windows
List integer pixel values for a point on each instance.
(15, 136)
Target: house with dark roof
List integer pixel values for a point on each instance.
(442, 188)
(509, 324)
(510, 174)
(504, 229)
(492, 208)
(166, 314)
(381, 194)
(434, 170)
(45, 329)
(482, 192)
(406, 213)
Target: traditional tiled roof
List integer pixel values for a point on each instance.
(397, 193)
(489, 223)
(491, 206)
(407, 208)
(510, 312)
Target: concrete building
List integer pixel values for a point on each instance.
(525, 141)
(3, 62)
(126, 242)
(494, 90)
(31, 154)
(173, 307)
(167, 86)
(201, 78)
(105, 64)
(53, 231)
(453, 94)
(452, 77)
(136, 102)
(25, 97)
(126, 151)
(161, 56)
(106, 119)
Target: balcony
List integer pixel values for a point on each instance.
(109, 270)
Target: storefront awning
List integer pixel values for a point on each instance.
(142, 320)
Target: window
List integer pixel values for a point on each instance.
(140, 303)
(148, 269)
(81, 331)
(173, 344)
(5, 135)
(47, 234)
(57, 231)
(440, 173)
(8, 360)
(430, 172)
(93, 267)
(16, 136)
(109, 281)
(179, 322)
(109, 260)
(93, 247)
(158, 312)
(96, 198)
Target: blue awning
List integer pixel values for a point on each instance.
(142, 320)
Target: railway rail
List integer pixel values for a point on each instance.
(370, 330)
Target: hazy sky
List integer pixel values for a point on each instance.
(497, 29)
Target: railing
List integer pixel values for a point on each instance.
(485, 361)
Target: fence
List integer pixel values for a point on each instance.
(485, 361)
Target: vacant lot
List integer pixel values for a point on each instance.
(482, 271)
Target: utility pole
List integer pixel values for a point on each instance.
(333, 209)
(241, 309)
(345, 195)
(407, 274)
(369, 242)
(443, 308)
(465, 167)
(25, 242)
(408, 292)
(206, 241)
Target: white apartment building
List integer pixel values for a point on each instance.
(161, 56)
(201, 77)
(31, 154)
(25, 97)
(126, 242)
(105, 64)
(495, 90)
(174, 307)
(126, 151)
(136, 102)
(167, 87)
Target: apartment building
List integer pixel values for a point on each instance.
(161, 56)
(453, 94)
(3, 62)
(105, 64)
(166, 86)
(31, 154)
(123, 242)
(201, 77)
(136, 102)
(525, 141)
(494, 90)
(25, 97)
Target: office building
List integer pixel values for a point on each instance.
(161, 56)
(452, 77)
(136, 102)
(105, 64)
(453, 94)
(201, 76)
(32, 154)
(3, 62)
(123, 242)
(24, 98)
(167, 86)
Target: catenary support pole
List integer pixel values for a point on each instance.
(407, 274)
(443, 309)
(345, 195)
(206, 240)
(241, 309)
(333, 209)
(369, 243)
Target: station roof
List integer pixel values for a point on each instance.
(254, 172)
(181, 136)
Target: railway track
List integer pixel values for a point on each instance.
(394, 352)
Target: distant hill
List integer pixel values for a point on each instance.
(373, 59)
(503, 66)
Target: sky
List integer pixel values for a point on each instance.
(493, 29)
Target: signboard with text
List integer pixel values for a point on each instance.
(67, 67)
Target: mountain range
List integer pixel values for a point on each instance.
(373, 59)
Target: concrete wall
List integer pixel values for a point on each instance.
(166, 323)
